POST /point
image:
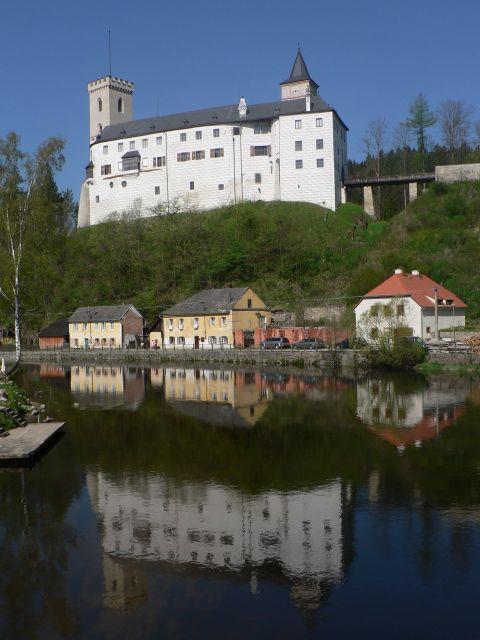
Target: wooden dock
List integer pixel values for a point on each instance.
(24, 443)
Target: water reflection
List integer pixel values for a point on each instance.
(302, 537)
(107, 387)
(405, 414)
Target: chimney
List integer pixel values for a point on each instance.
(398, 271)
(308, 101)
(415, 272)
(242, 107)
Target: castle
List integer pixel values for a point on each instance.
(294, 149)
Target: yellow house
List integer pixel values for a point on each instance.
(210, 318)
(105, 327)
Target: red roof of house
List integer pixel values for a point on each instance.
(419, 287)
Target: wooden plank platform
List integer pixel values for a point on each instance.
(23, 443)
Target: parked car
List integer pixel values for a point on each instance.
(309, 343)
(275, 343)
(343, 344)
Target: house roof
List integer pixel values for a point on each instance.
(208, 301)
(418, 287)
(101, 314)
(56, 329)
(299, 71)
(212, 116)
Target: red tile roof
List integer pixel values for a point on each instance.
(419, 287)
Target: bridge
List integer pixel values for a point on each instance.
(415, 182)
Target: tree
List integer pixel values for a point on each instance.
(21, 176)
(455, 121)
(402, 139)
(374, 142)
(420, 119)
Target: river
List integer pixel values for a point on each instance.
(202, 503)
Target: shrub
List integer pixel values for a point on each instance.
(402, 356)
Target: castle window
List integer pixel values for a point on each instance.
(319, 143)
(298, 124)
(131, 162)
(111, 185)
(106, 169)
(258, 178)
(183, 157)
(319, 122)
(99, 128)
(145, 143)
(159, 161)
(216, 153)
(144, 163)
(221, 187)
(216, 133)
(192, 186)
(236, 131)
(157, 191)
(298, 164)
(198, 135)
(124, 183)
(183, 137)
(100, 104)
(261, 150)
(105, 150)
(132, 145)
(261, 127)
(198, 155)
(120, 105)
(298, 145)
(320, 163)
(120, 146)
(97, 198)
(159, 140)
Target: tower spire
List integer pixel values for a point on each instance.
(295, 86)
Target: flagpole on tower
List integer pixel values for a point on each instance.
(109, 53)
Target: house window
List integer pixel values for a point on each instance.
(236, 131)
(212, 340)
(298, 145)
(180, 340)
(260, 150)
(132, 145)
(97, 198)
(216, 153)
(105, 149)
(319, 122)
(120, 105)
(212, 322)
(400, 310)
(181, 324)
(157, 191)
(221, 187)
(170, 324)
(145, 143)
(112, 325)
(159, 161)
(106, 169)
(183, 137)
(261, 127)
(85, 326)
(216, 133)
(76, 342)
(100, 104)
(198, 155)
(198, 135)
(320, 163)
(120, 146)
(124, 183)
(159, 140)
(258, 178)
(75, 326)
(183, 157)
(104, 326)
(298, 164)
(195, 323)
(249, 303)
(319, 143)
(298, 124)
(192, 186)
(223, 321)
(224, 340)
(171, 340)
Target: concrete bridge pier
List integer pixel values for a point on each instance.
(344, 195)
(368, 202)
(413, 191)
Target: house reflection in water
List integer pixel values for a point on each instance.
(53, 371)
(107, 387)
(303, 538)
(412, 416)
(220, 397)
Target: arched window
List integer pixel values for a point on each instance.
(100, 105)
(120, 105)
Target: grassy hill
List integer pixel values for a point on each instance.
(293, 254)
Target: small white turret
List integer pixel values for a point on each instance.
(242, 107)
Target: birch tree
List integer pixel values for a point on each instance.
(21, 174)
(455, 118)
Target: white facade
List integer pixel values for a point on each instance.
(302, 140)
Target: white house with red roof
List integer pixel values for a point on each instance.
(414, 298)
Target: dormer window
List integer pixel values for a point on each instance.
(100, 104)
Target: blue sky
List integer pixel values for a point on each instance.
(369, 57)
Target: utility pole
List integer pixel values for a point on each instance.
(437, 337)
(453, 317)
